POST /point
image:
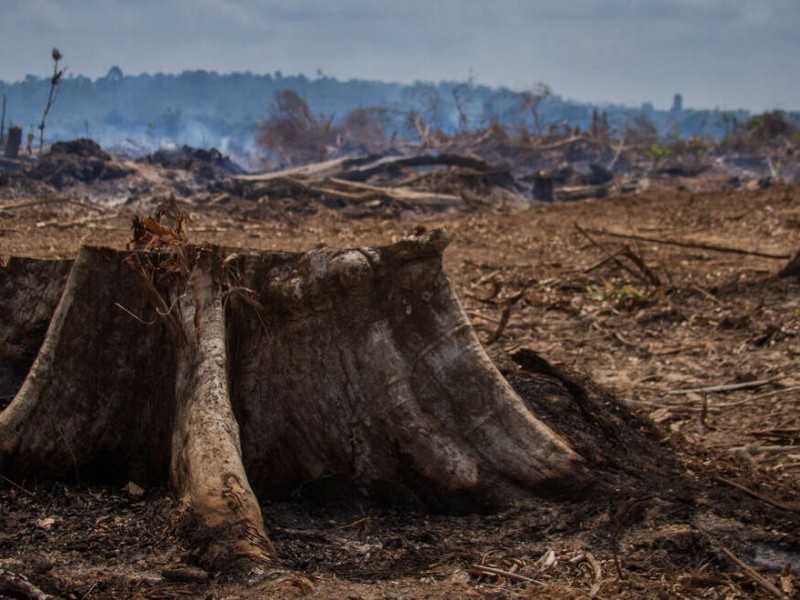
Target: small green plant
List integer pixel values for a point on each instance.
(621, 295)
(659, 151)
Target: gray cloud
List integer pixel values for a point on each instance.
(717, 52)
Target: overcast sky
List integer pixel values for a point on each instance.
(717, 53)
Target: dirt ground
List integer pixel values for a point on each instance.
(681, 329)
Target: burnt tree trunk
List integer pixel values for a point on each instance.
(243, 375)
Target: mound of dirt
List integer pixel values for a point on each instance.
(81, 160)
(207, 164)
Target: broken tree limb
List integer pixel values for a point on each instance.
(486, 570)
(597, 572)
(758, 495)
(30, 203)
(686, 244)
(753, 574)
(365, 194)
(60, 224)
(609, 255)
(392, 164)
(328, 168)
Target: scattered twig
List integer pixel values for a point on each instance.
(486, 570)
(776, 392)
(602, 262)
(757, 495)
(753, 450)
(628, 253)
(360, 521)
(504, 317)
(57, 223)
(676, 350)
(707, 294)
(50, 201)
(698, 245)
(18, 486)
(608, 254)
(598, 574)
(478, 315)
(759, 397)
(501, 326)
(628, 344)
(777, 432)
(729, 387)
(704, 416)
(752, 574)
(135, 316)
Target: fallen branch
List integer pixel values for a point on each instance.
(393, 163)
(757, 495)
(601, 263)
(754, 450)
(628, 253)
(752, 574)
(777, 432)
(49, 201)
(697, 245)
(18, 486)
(504, 317)
(598, 575)
(328, 168)
(58, 224)
(485, 570)
(609, 255)
(730, 387)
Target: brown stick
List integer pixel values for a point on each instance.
(752, 574)
(49, 201)
(608, 254)
(18, 486)
(757, 495)
(776, 432)
(730, 387)
(483, 570)
(753, 450)
(760, 397)
(698, 245)
(58, 224)
(598, 575)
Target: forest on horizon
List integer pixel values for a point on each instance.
(141, 113)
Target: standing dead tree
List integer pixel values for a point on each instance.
(463, 95)
(240, 375)
(293, 133)
(3, 123)
(54, 81)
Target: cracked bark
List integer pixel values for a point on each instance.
(239, 376)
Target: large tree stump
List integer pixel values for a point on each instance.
(242, 374)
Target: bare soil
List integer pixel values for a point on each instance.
(692, 472)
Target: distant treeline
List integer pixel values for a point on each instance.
(204, 109)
